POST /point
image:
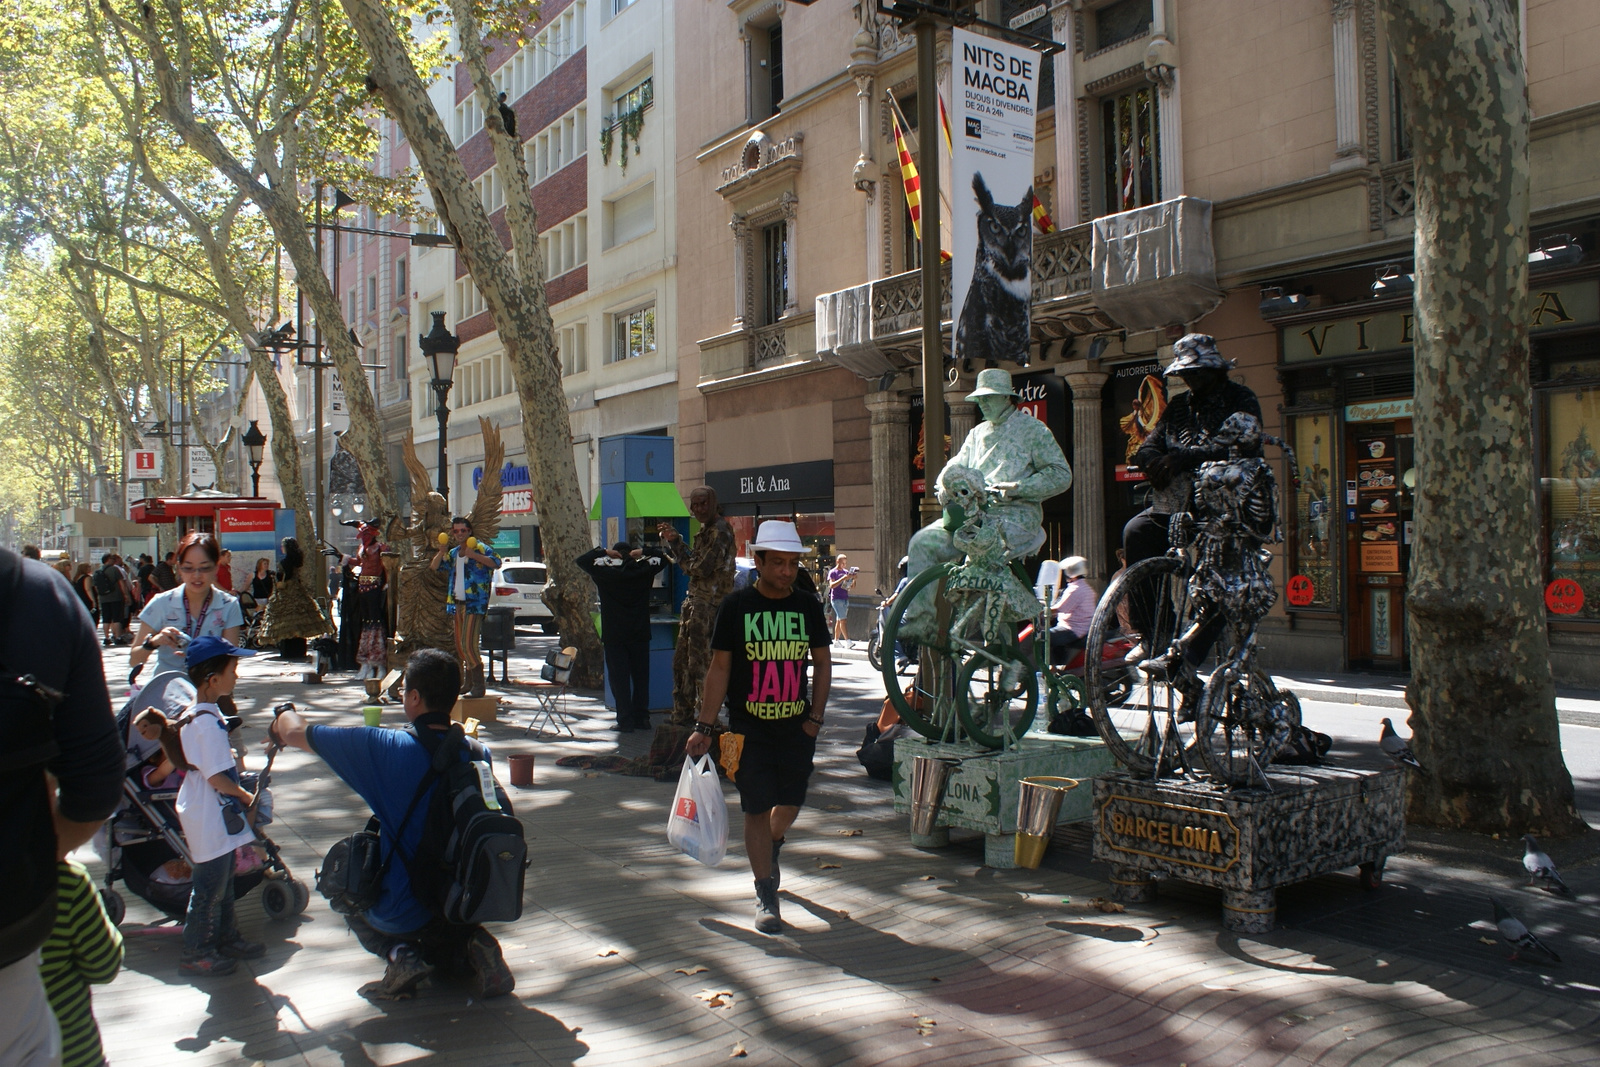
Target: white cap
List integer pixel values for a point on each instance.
(776, 535)
(1074, 566)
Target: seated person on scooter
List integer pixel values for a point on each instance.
(1074, 609)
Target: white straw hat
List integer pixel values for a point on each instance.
(776, 535)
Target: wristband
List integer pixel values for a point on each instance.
(702, 728)
(147, 644)
(813, 718)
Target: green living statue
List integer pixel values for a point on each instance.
(992, 490)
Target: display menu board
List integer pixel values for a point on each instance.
(1377, 504)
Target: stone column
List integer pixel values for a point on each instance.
(740, 225)
(1346, 88)
(791, 234)
(892, 521)
(1088, 473)
(1066, 205)
(963, 413)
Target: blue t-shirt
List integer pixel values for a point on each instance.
(384, 767)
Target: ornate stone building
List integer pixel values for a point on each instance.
(1260, 142)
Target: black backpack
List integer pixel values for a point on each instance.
(104, 584)
(27, 833)
(351, 876)
(469, 865)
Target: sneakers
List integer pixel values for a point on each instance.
(767, 920)
(405, 972)
(488, 974)
(777, 875)
(205, 964)
(240, 949)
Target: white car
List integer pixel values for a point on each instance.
(521, 586)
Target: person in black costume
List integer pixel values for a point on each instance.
(624, 575)
(1181, 441)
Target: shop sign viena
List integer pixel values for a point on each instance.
(1570, 304)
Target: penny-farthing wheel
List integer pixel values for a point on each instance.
(1242, 721)
(1143, 728)
(964, 685)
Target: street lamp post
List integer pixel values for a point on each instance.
(255, 442)
(440, 346)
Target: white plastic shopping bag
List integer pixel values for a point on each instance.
(698, 824)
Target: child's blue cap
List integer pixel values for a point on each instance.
(204, 648)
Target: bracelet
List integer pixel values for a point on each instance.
(147, 645)
(703, 728)
(813, 718)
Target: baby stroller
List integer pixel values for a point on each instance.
(144, 836)
(255, 617)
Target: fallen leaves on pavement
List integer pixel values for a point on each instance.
(848, 833)
(715, 998)
(691, 971)
(827, 866)
(738, 1053)
(925, 1025)
(606, 952)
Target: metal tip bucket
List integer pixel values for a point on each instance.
(929, 776)
(1038, 806)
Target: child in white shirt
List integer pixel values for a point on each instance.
(211, 807)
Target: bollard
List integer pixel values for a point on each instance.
(521, 770)
(1038, 805)
(929, 776)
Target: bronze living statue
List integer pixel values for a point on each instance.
(421, 621)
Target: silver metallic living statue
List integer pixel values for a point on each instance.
(1008, 465)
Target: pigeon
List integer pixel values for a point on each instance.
(1395, 747)
(1541, 871)
(1517, 934)
(508, 118)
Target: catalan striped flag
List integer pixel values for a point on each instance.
(910, 178)
(1041, 217)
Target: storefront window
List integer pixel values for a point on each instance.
(1312, 551)
(1572, 491)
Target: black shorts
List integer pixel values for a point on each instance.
(775, 765)
(113, 612)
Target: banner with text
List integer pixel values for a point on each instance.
(996, 88)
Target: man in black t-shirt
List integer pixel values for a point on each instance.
(763, 635)
(624, 576)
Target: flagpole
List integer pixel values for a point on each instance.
(932, 342)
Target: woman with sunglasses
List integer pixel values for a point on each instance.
(195, 608)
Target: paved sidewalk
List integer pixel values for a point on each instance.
(894, 956)
(1580, 707)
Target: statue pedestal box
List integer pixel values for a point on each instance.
(481, 708)
(983, 792)
(1248, 842)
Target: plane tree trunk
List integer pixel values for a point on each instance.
(1483, 705)
(514, 293)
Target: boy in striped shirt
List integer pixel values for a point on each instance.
(83, 948)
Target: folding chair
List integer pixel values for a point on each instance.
(550, 693)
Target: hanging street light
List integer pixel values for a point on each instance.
(439, 346)
(255, 442)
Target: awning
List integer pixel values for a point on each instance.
(648, 500)
(204, 504)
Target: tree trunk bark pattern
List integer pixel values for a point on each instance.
(516, 299)
(1483, 706)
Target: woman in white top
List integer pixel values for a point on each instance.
(194, 608)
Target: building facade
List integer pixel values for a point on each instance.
(1264, 140)
(590, 91)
